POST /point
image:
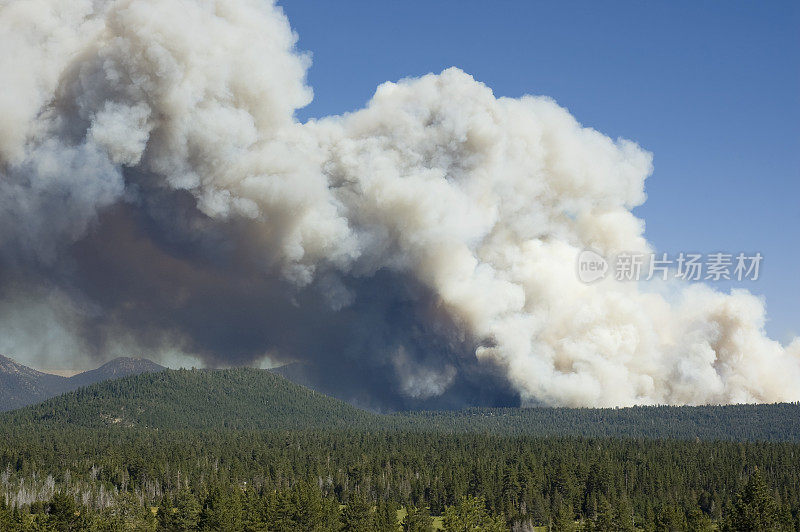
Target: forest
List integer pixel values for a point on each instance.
(247, 450)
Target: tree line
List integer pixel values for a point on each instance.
(521, 481)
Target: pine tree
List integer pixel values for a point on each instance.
(417, 519)
(166, 514)
(357, 515)
(697, 521)
(470, 514)
(221, 511)
(63, 514)
(254, 510)
(187, 511)
(606, 517)
(386, 516)
(565, 519)
(624, 515)
(6, 521)
(670, 518)
(755, 509)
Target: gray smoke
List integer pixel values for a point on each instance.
(158, 197)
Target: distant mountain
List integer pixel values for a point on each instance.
(241, 398)
(115, 369)
(21, 385)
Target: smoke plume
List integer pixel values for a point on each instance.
(159, 197)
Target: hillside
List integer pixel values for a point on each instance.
(254, 399)
(242, 398)
(21, 385)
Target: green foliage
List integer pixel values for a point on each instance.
(564, 519)
(242, 398)
(357, 515)
(386, 516)
(125, 514)
(244, 450)
(755, 509)
(470, 514)
(697, 521)
(222, 510)
(606, 517)
(254, 512)
(623, 515)
(63, 514)
(417, 519)
(187, 511)
(670, 519)
(302, 508)
(253, 399)
(182, 512)
(750, 422)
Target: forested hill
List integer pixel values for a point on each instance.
(242, 398)
(254, 399)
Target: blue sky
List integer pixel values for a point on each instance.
(711, 88)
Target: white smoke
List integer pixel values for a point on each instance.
(484, 201)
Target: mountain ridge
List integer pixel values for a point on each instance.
(21, 385)
(115, 369)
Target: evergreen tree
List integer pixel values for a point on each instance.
(564, 519)
(624, 515)
(670, 518)
(63, 513)
(357, 515)
(9, 519)
(187, 511)
(125, 514)
(697, 521)
(166, 514)
(5, 515)
(177, 439)
(417, 519)
(221, 511)
(606, 516)
(254, 512)
(301, 508)
(386, 516)
(755, 508)
(469, 515)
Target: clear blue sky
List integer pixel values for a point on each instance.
(711, 88)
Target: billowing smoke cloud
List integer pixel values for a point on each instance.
(157, 196)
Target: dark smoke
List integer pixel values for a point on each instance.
(159, 198)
